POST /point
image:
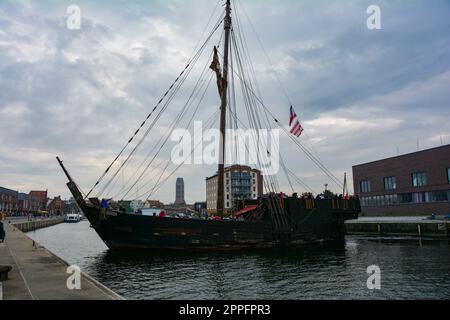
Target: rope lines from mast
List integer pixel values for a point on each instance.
(280, 84)
(259, 117)
(167, 103)
(273, 70)
(168, 95)
(283, 165)
(210, 124)
(312, 157)
(174, 124)
(151, 126)
(252, 112)
(196, 92)
(199, 90)
(163, 140)
(250, 102)
(282, 221)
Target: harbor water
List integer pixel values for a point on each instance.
(410, 269)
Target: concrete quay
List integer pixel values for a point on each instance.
(25, 226)
(38, 274)
(438, 229)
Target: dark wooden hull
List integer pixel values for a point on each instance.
(141, 232)
(126, 231)
(310, 221)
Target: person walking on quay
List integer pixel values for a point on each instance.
(2, 230)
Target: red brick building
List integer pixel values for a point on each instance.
(56, 206)
(42, 197)
(411, 184)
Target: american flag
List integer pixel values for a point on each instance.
(297, 128)
(293, 116)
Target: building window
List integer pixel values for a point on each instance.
(439, 196)
(448, 175)
(421, 197)
(419, 179)
(390, 183)
(365, 186)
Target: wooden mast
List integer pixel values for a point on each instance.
(223, 112)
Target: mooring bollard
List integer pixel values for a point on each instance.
(4, 270)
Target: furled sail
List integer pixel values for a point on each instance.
(215, 66)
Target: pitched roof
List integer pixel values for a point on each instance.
(42, 195)
(9, 192)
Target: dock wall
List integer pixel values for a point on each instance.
(429, 229)
(26, 226)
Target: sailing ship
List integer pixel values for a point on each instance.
(272, 220)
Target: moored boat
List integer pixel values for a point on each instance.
(72, 218)
(304, 221)
(273, 219)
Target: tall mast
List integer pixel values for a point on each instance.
(223, 113)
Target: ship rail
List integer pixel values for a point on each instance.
(335, 204)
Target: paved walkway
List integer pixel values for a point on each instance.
(37, 274)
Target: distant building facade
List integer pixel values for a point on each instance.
(200, 207)
(179, 192)
(28, 204)
(56, 206)
(42, 196)
(412, 184)
(9, 201)
(14, 202)
(240, 183)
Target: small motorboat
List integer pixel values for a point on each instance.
(72, 218)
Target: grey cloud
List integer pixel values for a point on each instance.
(82, 94)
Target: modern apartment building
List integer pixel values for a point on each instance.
(241, 182)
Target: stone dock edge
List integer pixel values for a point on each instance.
(24, 226)
(424, 229)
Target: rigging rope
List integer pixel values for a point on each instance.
(246, 74)
(158, 185)
(181, 75)
(175, 122)
(313, 158)
(273, 70)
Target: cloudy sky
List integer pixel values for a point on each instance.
(362, 94)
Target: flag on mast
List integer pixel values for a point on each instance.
(297, 128)
(292, 117)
